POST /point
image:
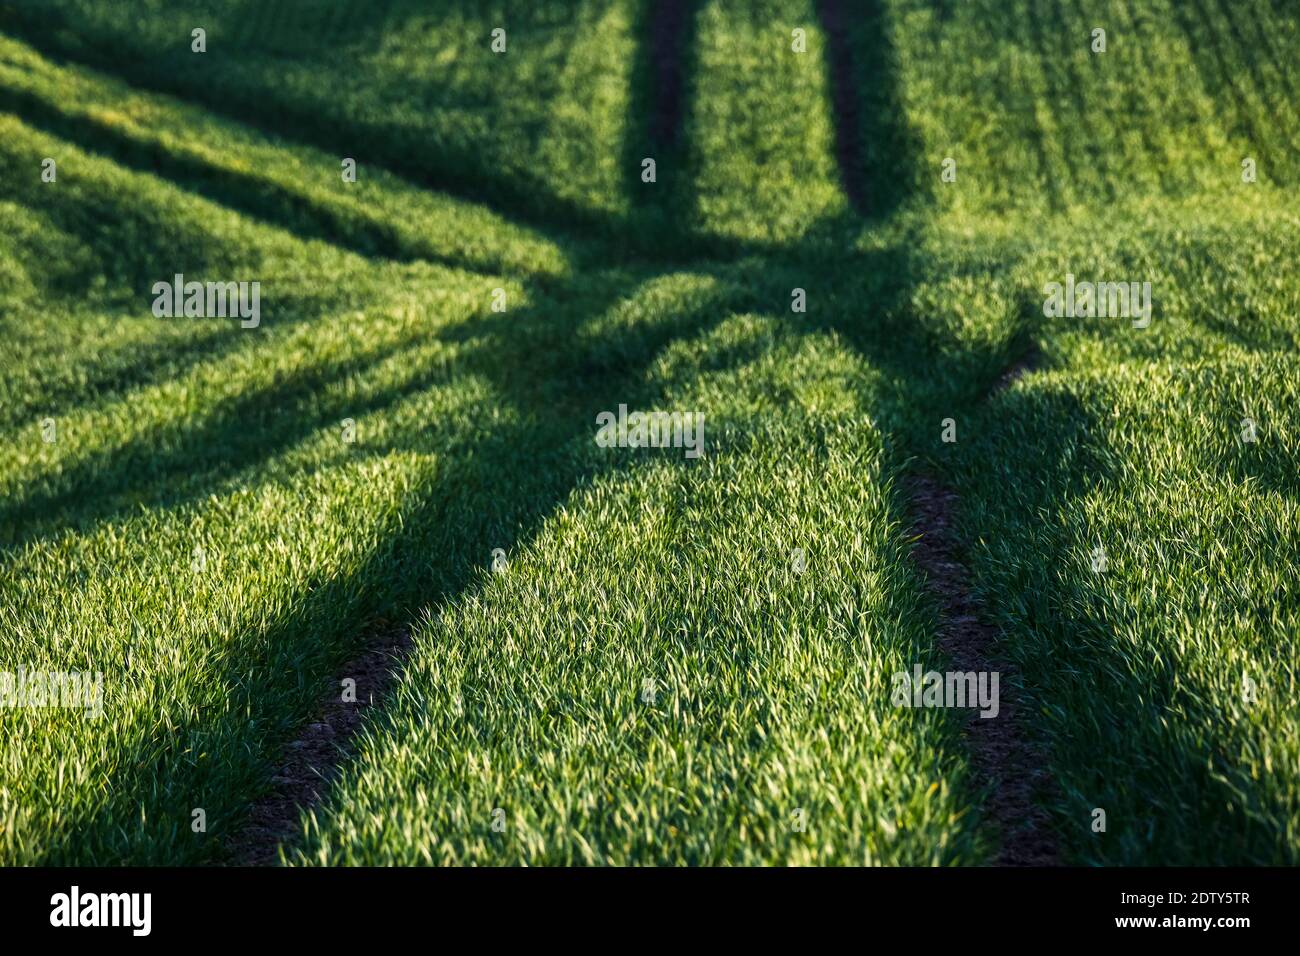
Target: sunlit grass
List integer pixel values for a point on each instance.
(649, 680)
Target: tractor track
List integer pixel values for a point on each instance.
(1004, 760)
(312, 762)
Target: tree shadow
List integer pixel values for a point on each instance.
(116, 370)
(248, 90)
(167, 469)
(551, 372)
(548, 368)
(650, 234)
(1118, 756)
(497, 490)
(131, 245)
(876, 150)
(348, 228)
(662, 72)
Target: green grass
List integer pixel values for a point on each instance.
(525, 690)
(1132, 443)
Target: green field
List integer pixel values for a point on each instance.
(683, 660)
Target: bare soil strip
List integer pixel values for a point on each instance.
(1021, 367)
(1002, 757)
(312, 761)
(1003, 760)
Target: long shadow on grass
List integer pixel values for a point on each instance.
(1117, 719)
(665, 63)
(98, 243)
(553, 375)
(592, 237)
(109, 374)
(221, 84)
(113, 371)
(350, 228)
(131, 245)
(183, 463)
(876, 149)
(495, 492)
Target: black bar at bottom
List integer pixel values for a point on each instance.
(359, 907)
